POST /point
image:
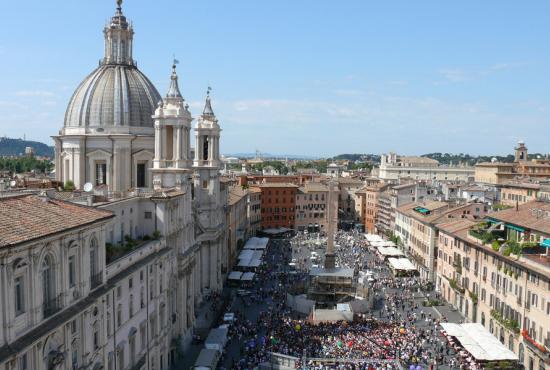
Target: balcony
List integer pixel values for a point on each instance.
(509, 324)
(52, 306)
(96, 280)
(531, 343)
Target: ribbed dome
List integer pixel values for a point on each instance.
(113, 95)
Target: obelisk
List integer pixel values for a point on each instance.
(330, 257)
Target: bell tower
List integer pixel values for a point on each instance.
(207, 166)
(172, 162)
(208, 203)
(521, 152)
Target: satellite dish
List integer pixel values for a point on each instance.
(13, 183)
(88, 187)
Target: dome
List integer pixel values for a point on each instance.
(116, 94)
(113, 95)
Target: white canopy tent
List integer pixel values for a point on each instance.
(248, 276)
(235, 275)
(246, 254)
(389, 251)
(256, 243)
(250, 263)
(477, 340)
(276, 231)
(373, 238)
(401, 264)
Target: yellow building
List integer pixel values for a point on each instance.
(507, 293)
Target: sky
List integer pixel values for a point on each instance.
(308, 77)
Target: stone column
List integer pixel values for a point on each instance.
(157, 145)
(178, 144)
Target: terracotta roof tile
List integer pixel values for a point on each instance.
(29, 217)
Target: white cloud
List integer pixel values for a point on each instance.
(35, 93)
(348, 92)
(453, 74)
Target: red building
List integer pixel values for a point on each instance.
(278, 203)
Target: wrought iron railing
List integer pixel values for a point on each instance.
(96, 280)
(51, 306)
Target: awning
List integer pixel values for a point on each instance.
(248, 276)
(477, 340)
(235, 275)
(246, 254)
(389, 251)
(256, 243)
(545, 243)
(401, 264)
(514, 227)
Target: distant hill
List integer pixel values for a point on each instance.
(358, 157)
(448, 158)
(266, 156)
(16, 147)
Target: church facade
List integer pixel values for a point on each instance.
(120, 289)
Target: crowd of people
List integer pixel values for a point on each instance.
(397, 329)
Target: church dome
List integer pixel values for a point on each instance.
(117, 93)
(113, 95)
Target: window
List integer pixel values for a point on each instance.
(140, 174)
(48, 284)
(23, 364)
(93, 257)
(19, 296)
(72, 276)
(119, 291)
(130, 283)
(148, 215)
(131, 306)
(120, 357)
(119, 316)
(96, 337)
(101, 173)
(73, 327)
(132, 343)
(205, 148)
(74, 354)
(142, 336)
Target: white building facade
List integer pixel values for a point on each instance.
(118, 291)
(394, 167)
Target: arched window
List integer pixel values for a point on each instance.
(205, 148)
(511, 343)
(48, 286)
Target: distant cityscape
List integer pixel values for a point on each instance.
(133, 243)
